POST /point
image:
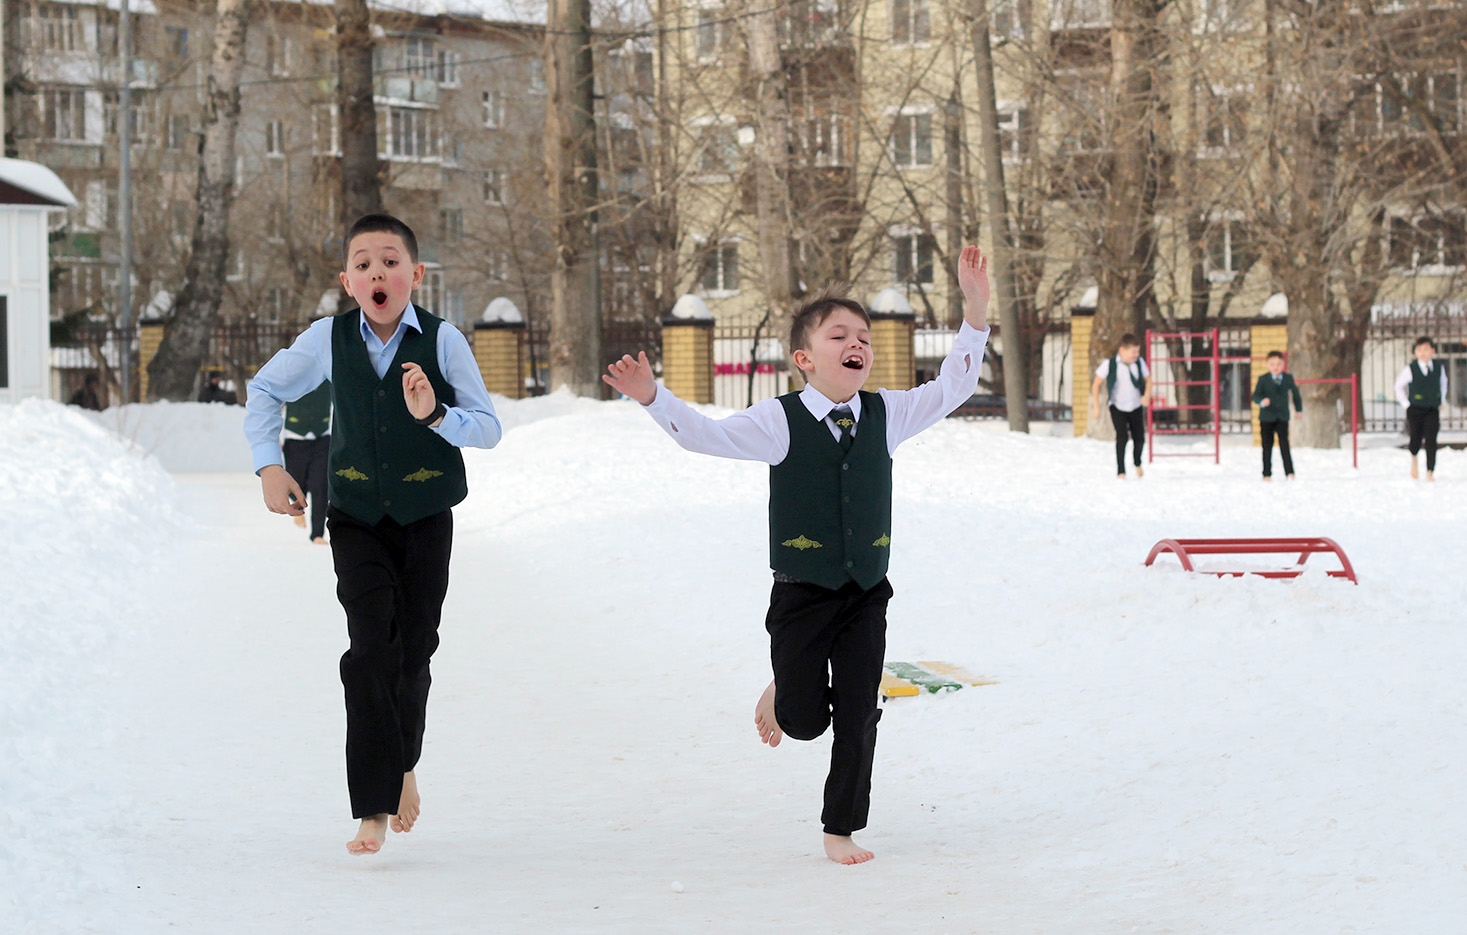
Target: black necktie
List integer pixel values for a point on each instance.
(841, 416)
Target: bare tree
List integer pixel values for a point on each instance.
(361, 191)
(174, 371)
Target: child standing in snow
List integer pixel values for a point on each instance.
(829, 448)
(1127, 381)
(406, 395)
(1272, 396)
(1420, 389)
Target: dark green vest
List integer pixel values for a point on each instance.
(1137, 380)
(830, 510)
(382, 463)
(1426, 390)
(311, 413)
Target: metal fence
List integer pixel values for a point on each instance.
(1394, 328)
(749, 364)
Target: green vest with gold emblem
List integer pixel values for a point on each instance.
(830, 509)
(382, 463)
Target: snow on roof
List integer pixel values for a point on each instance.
(144, 7)
(530, 12)
(502, 309)
(38, 180)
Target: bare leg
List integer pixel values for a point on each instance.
(764, 721)
(411, 805)
(1428, 475)
(1414, 473)
(1139, 472)
(369, 836)
(843, 850)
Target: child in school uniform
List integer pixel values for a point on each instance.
(1420, 389)
(1127, 382)
(306, 445)
(1271, 393)
(829, 448)
(406, 395)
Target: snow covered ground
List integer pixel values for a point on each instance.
(1161, 753)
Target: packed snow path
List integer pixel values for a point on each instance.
(1162, 752)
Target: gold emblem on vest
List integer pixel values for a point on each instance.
(352, 473)
(802, 543)
(883, 541)
(844, 422)
(422, 474)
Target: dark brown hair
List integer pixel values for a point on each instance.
(1273, 354)
(1129, 340)
(819, 307)
(379, 223)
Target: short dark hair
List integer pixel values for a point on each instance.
(1129, 340)
(1423, 340)
(819, 307)
(375, 223)
(1273, 354)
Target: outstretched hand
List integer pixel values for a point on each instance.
(632, 378)
(417, 391)
(973, 280)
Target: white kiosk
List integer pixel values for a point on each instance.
(28, 193)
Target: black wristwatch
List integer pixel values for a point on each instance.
(439, 411)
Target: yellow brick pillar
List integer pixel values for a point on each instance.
(1261, 340)
(497, 349)
(893, 339)
(687, 358)
(1082, 324)
(150, 336)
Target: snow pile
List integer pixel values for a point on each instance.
(82, 514)
(184, 437)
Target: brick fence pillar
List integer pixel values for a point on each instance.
(687, 358)
(1081, 326)
(497, 349)
(150, 336)
(893, 336)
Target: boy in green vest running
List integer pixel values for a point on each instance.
(406, 395)
(829, 448)
(1420, 389)
(1271, 393)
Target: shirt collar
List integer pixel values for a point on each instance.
(820, 406)
(409, 320)
(1425, 367)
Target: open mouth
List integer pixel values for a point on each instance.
(379, 297)
(853, 363)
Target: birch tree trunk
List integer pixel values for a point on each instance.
(571, 175)
(173, 372)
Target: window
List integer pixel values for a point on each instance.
(1004, 20)
(326, 130)
(1080, 14)
(493, 109)
(912, 257)
(1229, 250)
(1226, 127)
(910, 21)
(141, 113)
(65, 115)
(537, 76)
(1013, 132)
(408, 134)
(1405, 104)
(277, 300)
(710, 35)
(451, 224)
(58, 28)
(717, 154)
(494, 186)
(824, 139)
(1217, 15)
(1434, 242)
(279, 54)
(175, 41)
(718, 272)
(101, 205)
(235, 272)
(448, 68)
(911, 140)
(176, 132)
(430, 293)
(496, 265)
(275, 223)
(1083, 101)
(419, 58)
(275, 138)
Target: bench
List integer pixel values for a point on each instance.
(1186, 549)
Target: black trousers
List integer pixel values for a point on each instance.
(1281, 429)
(305, 459)
(1131, 423)
(1424, 422)
(827, 648)
(391, 580)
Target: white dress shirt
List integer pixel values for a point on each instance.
(1403, 383)
(762, 432)
(1127, 398)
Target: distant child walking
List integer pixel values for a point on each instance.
(829, 447)
(307, 448)
(1420, 389)
(406, 395)
(1271, 393)
(1127, 382)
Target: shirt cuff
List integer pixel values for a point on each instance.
(264, 455)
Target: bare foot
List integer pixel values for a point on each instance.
(300, 521)
(1120, 477)
(319, 540)
(1139, 472)
(1428, 475)
(1266, 477)
(843, 850)
(410, 806)
(1414, 475)
(768, 727)
(369, 836)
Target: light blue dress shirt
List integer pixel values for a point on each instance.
(300, 368)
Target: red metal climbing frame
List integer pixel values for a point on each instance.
(1158, 400)
(1185, 549)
